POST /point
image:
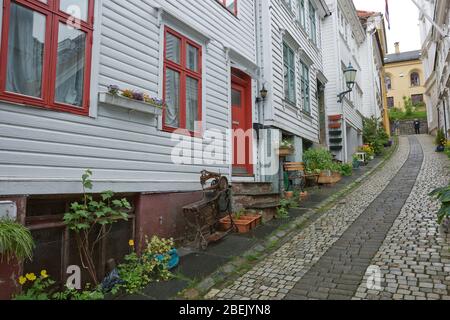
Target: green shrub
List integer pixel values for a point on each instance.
(375, 135)
(318, 160)
(346, 169)
(440, 138)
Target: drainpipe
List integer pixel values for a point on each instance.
(445, 118)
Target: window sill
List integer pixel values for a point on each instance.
(289, 104)
(130, 104)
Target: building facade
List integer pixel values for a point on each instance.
(374, 50)
(343, 37)
(435, 58)
(404, 78)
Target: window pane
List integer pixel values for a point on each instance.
(173, 46)
(192, 58)
(231, 5)
(191, 103)
(70, 65)
(236, 98)
(75, 8)
(25, 51)
(172, 98)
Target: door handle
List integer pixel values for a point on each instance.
(236, 123)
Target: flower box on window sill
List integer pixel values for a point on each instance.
(130, 104)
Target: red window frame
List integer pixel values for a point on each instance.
(53, 17)
(184, 73)
(224, 4)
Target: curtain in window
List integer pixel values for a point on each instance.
(70, 66)
(191, 103)
(172, 115)
(25, 51)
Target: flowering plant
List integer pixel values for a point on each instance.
(136, 95)
(369, 150)
(113, 89)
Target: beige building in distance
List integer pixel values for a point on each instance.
(404, 77)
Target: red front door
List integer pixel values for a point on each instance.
(241, 123)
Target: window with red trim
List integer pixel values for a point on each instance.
(230, 5)
(182, 84)
(46, 48)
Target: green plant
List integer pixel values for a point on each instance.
(346, 169)
(15, 241)
(287, 143)
(375, 135)
(139, 271)
(440, 139)
(38, 289)
(127, 93)
(282, 213)
(409, 107)
(238, 215)
(43, 288)
(92, 220)
(317, 160)
(443, 195)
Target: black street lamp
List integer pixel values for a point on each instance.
(350, 77)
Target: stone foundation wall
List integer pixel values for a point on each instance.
(407, 127)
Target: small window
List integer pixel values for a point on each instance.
(388, 83)
(390, 102)
(305, 89)
(302, 14)
(289, 73)
(417, 99)
(182, 82)
(312, 23)
(415, 79)
(230, 5)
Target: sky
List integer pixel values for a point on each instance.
(404, 22)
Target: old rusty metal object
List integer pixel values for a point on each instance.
(204, 216)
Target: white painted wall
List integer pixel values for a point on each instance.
(281, 21)
(44, 152)
(343, 37)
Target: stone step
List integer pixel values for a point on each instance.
(252, 187)
(267, 210)
(250, 199)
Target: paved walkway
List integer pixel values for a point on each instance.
(389, 222)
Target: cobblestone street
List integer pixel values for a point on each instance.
(389, 221)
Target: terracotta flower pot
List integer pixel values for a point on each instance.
(289, 194)
(244, 224)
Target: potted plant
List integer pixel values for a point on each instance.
(16, 245)
(443, 195)
(243, 221)
(286, 148)
(440, 141)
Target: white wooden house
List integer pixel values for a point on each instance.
(56, 120)
(292, 69)
(343, 36)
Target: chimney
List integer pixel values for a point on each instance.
(397, 47)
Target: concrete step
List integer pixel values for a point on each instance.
(267, 210)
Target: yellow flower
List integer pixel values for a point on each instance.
(22, 280)
(44, 274)
(131, 243)
(31, 276)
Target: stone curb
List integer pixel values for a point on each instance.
(279, 236)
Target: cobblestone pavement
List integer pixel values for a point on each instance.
(329, 258)
(415, 257)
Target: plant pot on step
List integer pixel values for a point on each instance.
(244, 223)
(289, 194)
(329, 177)
(304, 196)
(285, 151)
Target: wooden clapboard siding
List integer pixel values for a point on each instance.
(45, 152)
(290, 118)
